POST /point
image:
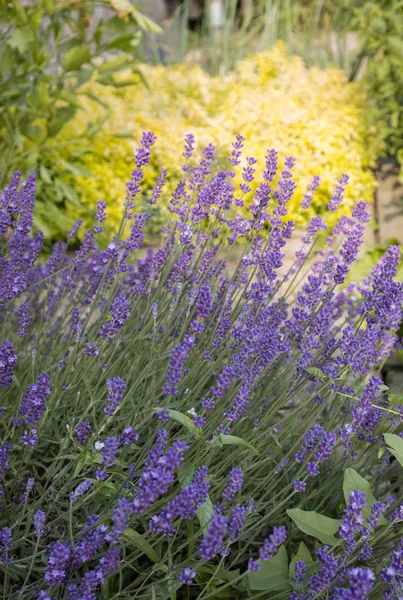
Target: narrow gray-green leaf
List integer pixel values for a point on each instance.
(133, 537)
(228, 440)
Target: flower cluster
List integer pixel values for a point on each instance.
(167, 393)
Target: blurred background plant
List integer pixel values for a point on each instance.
(67, 112)
(271, 97)
(362, 37)
(48, 50)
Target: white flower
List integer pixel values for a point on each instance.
(99, 445)
(192, 412)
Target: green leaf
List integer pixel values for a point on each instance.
(20, 39)
(354, 481)
(116, 63)
(186, 421)
(45, 174)
(395, 398)
(316, 372)
(70, 98)
(57, 121)
(396, 446)
(139, 542)
(69, 193)
(228, 440)
(204, 514)
(273, 573)
(77, 169)
(302, 554)
(75, 57)
(318, 526)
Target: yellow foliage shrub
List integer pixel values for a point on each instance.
(272, 99)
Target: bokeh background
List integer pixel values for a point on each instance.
(319, 80)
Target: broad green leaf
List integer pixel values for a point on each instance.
(20, 39)
(354, 481)
(316, 372)
(135, 538)
(273, 573)
(318, 526)
(75, 57)
(204, 514)
(229, 440)
(186, 421)
(302, 554)
(395, 398)
(395, 444)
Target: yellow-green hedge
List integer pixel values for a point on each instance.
(271, 98)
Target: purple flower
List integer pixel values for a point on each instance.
(6, 544)
(82, 487)
(353, 520)
(187, 575)
(100, 215)
(120, 517)
(300, 571)
(163, 415)
(8, 360)
(32, 405)
(158, 472)
(299, 485)
(212, 542)
(185, 504)
(199, 421)
(83, 431)
(29, 438)
(360, 583)
(73, 231)
(176, 364)
(271, 545)
(24, 319)
(120, 312)
(236, 523)
(338, 193)
(109, 451)
(253, 565)
(129, 436)
(116, 388)
(4, 455)
(92, 349)
(60, 559)
(234, 485)
(39, 523)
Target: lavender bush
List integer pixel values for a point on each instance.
(172, 430)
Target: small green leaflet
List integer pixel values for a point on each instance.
(228, 440)
(395, 444)
(318, 526)
(75, 57)
(135, 538)
(273, 573)
(204, 514)
(316, 372)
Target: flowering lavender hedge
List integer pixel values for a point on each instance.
(170, 430)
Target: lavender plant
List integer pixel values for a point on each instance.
(171, 428)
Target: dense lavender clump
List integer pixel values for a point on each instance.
(173, 426)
